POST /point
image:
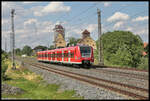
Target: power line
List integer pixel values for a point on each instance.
(131, 16)
(89, 19)
(82, 12)
(96, 14)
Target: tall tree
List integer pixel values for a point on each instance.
(18, 51)
(27, 50)
(52, 47)
(73, 41)
(121, 48)
(41, 48)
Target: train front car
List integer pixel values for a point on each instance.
(87, 57)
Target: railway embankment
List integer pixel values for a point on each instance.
(25, 84)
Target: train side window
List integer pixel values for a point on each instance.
(46, 55)
(72, 55)
(66, 55)
(49, 55)
(56, 55)
(53, 55)
(60, 55)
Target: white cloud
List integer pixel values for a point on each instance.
(91, 27)
(118, 16)
(52, 7)
(140, 18)
(28, 2)
(129, 29)
(119, 24)
(143, 31)
(56, 7)
(37, 13)
(30, 21)
(19, 10)
(106, 4)
(5, 21)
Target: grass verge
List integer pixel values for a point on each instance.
(35, 87)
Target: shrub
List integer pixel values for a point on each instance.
(4, 69)
(121, 48)
(144, 63)
(4, 66)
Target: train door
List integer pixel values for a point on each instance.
(72, 55)
(53, 56)
(48, 56)
(62, 56)
(69, 56)
(66, 56)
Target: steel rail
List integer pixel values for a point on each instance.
(137, 76)
(82, 78)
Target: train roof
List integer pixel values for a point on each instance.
(71, 47)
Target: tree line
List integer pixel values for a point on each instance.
(120, 48)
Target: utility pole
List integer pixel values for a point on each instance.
(5, 45)
(101, 61)
(13, 39)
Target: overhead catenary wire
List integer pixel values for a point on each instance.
(74, 17)
(131, 16)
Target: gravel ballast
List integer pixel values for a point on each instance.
(81, 88)
(108, 76)
(8, 89)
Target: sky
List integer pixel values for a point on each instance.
(34, 21)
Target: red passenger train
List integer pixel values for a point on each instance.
(81, 55)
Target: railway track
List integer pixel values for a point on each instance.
(123, 68)
(128, 90)
(120, 73)
(137, 76)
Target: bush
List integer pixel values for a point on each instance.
(144, 63)
(4, 66)
(121, 48)
(4, 69)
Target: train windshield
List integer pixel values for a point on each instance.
(85, 51)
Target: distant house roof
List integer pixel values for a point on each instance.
(85, 32)
(58, 27)
(145, 44)
(144, 53)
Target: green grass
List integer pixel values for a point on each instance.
(37, 88)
